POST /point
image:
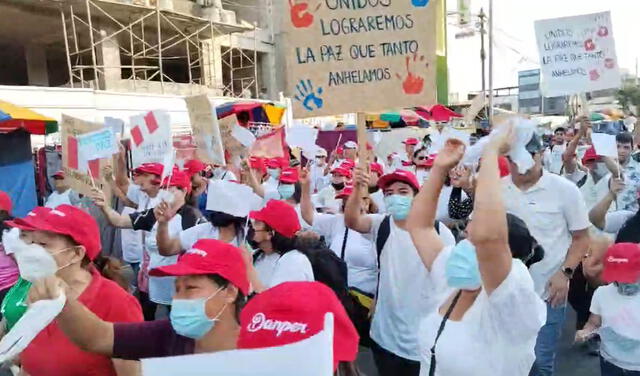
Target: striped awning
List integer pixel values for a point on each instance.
(14, 117)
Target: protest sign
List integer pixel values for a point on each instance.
(81, 178)
(270, 361)
(605, 144)
(206, 131)
(577, 54)
(357, 56)
(151, 137)
(95, 145)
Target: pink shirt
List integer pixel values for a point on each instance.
(8, 270)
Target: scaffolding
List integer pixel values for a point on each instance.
(155, 44)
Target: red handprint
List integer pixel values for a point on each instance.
(300, 14)
(589, 45)
(609, 63)
(594, 75)
(412, 83)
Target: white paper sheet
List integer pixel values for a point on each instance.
(605, 144)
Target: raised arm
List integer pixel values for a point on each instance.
(249, 178)
(167, 246)
(306, 206)
(421, 220)
(568, 157)
(488, 230)
(116, 219)
(116, 187)
(121, 178)
(353, 216)
(598, 213)
(81, 326)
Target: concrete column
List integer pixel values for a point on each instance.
(211, 64)
(268, 75)
(108, 55)
(36, 57)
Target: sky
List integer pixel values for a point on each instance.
(514, 38)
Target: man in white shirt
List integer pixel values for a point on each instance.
(325, 199)
(555, 213)
(274, 169)
(628, 169)
(62, 194)
(317, 168)
(401, 300)
(349, 152)
(409, 148)
(553, 155)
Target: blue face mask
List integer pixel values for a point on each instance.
(462, 270)
(189, 318)
(286, 191)
(398, 206)
(274, 172)
(628, 289)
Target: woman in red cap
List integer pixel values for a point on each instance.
(211, 286)
(615, 312)
(64, 243)
(177, 215)
(273, 231)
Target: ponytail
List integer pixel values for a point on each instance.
(110, 268)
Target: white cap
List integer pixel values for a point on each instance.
(321, 152)
(350, 145)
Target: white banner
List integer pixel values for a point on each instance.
(150, 137)
(96, 145)
(577, 54)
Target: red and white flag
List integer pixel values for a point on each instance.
(151, 137)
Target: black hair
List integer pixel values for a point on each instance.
(280, 243)
(560, 129)
(243, 116)
(523, 245)
(221, 219)
(418, 151)
(297, 193)
(4, 216)
(624, 138)
(240, 301)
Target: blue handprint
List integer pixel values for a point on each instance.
(419, 3)
(308, 96)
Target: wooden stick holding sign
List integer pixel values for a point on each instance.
(363, 153)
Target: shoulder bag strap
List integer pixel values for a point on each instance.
(344, 242)
(432, 367)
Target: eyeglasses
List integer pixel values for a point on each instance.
(422, 158)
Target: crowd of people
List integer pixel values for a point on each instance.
(436, 265)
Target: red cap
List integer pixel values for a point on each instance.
(348, 164)
(342, 172)
(58, 175)
(590, 156)
(210, 256)
(180, 179)
(503, 166)
(150, 168)
(345, 192)
(399, 175)
(340, 150)
(430, 160)
(280, 216)
(377, 168)
(64, 220)
(257, 163)
(194, 166)
(294, 311)
(289, 175)
(5, 202)
(622, 263)
(411, 141)
(276, 163)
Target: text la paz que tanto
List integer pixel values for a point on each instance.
(366, 22)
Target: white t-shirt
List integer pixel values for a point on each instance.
(270, 184)
(620, 331)
(206, 230)
(326, 198)
(359, 254)
(274, 195)
(552, 209)
(274, 268)
(496, 335)
(318, 179)
(615, 220)
(131, 241)
(553, 158)
(225, 175)
(378, 198)
(592, 192)
(55, 199)
(404, 295)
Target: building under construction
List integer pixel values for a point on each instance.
(174, 47)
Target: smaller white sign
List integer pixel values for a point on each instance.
(150, 137)
(605, 144)
(96, 145)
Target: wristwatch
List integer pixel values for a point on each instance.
(568, 272)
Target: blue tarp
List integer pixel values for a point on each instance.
(20, 183)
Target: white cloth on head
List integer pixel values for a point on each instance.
(620, 330)
(404, 293)
(552, 209)
(505, 322)
(274, 268)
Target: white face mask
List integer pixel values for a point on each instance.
(34, 262)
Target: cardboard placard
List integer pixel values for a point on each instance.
(76, 175)
(577, 54)
(359, 56)
(206, 130)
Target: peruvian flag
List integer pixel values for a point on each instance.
(74, 161)
(151, 137)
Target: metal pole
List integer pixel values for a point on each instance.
(255, 59)
(133, 58)
(160, 47)
(483, 54)
(491, 62)
(75, 41)
(93, 46)
(66, 46)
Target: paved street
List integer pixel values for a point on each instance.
(572, 360)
